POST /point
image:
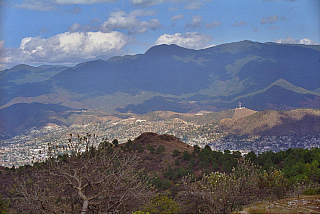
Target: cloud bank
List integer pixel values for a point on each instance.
(192, 40)
(290, 40)
(272, 19)
(68, 47)
(128, 21)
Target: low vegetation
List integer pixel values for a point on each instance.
(158, 174)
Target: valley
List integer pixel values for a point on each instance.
(203, 128)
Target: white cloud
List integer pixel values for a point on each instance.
(68, 47)
(40, 5)
(146, 3)
(194, 6)
(275, 27)
(192, 40)
(75, 10)
(141, 13)
(290, 40)
(196, 22)
(49, 5)
(213, 24)
(237, 24)
(82, 1)
(177, 17)
(280, 0)
(75, 27)
(3, 59)
(272, 19)
(123, 20)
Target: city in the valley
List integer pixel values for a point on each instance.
(30, 146)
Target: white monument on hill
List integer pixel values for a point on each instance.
(239, 106)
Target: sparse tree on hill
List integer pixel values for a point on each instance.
(115, 142)
(152, 149)
(176, 152)
(160, 149)
(88, 180)
(186, 155)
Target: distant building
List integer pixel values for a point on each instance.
(239, 106)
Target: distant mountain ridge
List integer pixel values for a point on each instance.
(218, 76)
(171, 78)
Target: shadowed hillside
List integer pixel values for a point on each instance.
(23, 116)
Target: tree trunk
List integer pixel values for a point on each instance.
(85, 202)
(84, 206)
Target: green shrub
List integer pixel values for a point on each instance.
(160, 149)
(152, 149)
(115, 142)
(176, 152)
(162, 204)
(311, 191)
(186, 155)
(177, 162)
(140, 148)
(196, 148)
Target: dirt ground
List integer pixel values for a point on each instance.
(301, 204)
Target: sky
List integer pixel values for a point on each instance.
(68, 32)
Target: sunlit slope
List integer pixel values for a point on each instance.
(275, 123)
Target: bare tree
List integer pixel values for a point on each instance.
(84, 179)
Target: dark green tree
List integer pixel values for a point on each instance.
(176, 152)
(152, 149)
(160, 149)
(115, 142)
(177, 162)
(186, 155)
(196, 148)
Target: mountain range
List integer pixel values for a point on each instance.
(171, 78)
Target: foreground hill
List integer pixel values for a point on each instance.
(159, 163)
(299, 122)
(191, 176)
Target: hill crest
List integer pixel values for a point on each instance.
(300, 122)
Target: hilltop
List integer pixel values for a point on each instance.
(299, 122)
(160, 163)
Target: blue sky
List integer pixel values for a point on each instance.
(68, 32)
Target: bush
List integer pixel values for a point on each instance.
(115, 142)
(186, 155)
(215, 167)
(140, 148)
(177, 162)
(160, 149)
(3, 205)
(176, 152)
(162, 204)
(196, 148)
(160, 184)
(311, 191)
(152, 149)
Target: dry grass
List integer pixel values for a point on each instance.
(303, 204)
(274, 123)
(244, 112)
